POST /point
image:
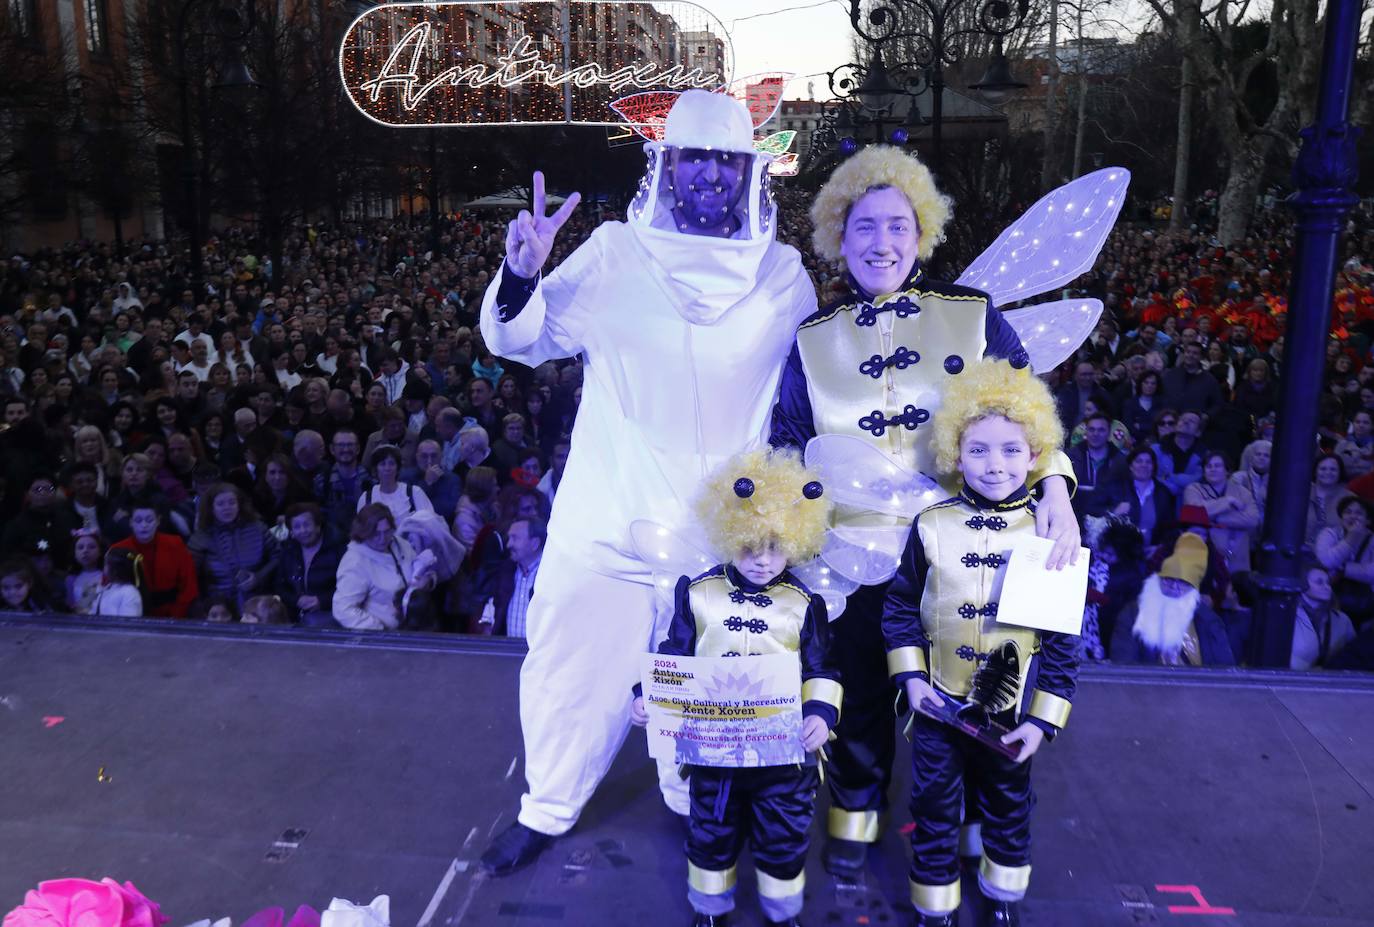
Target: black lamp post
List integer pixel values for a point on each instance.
(933, 47)
(233, 72)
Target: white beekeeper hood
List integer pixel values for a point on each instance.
(707, 274)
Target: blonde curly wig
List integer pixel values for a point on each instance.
(878, 166)
(994, 387)
(777, 512)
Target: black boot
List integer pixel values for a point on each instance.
(710, 920)
(515, 848)
(845, 858)
(936, 920)
(1000, 913)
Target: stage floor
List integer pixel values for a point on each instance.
(226, 772)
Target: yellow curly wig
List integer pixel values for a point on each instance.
(994, 387)
(878, 166)
(776, 513)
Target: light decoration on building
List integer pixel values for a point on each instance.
(538, 62)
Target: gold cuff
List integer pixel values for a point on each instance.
(906, 660)
(824, 690)
(859, 826)
(935, 899)
(771, 887)
(710, 881)
(1050, 708)
(1011, 879)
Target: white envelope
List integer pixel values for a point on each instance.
(1034, 597)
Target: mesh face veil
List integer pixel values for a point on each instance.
(705, 178)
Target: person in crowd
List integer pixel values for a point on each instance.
(513, 580)
(89, 446)
(87, 571)
(1356, 449)
(1253, 473)
(507, 450)
(278, 489)
(553, 476)
(477, 508)
(345, 481)
(401, 498)
(393, 431)
(1171, 623)
(119, 595)
(1328, 489)
(1320, 630)
(1096, 464)
(235, 553)
(430, 537)
(1179, 454)
(1231, 510)
(1257, 394)
(1345, 550)
(1139, 407)
(441, 485)
(309, 568)
(20, 590)
(45, 521)
(375, 573)
(169, 570)
(265, 609)
(1139, 495)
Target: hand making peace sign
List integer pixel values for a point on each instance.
(529, 239)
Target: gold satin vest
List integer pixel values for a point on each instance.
(966, 560)
(734, 623)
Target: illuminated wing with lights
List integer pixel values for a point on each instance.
(646, 113)
(1052, 242)
(669, 556)
(785, 165)
(1051, 332)
(827, 583)
(860, 477)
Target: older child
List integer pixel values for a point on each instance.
(940, 623)
(766, 511)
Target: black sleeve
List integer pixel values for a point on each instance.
(682, 630)
(513, 293)
(1058, 672)
(793, 423)
(1002, 340)
(902, 627)
(816, 662)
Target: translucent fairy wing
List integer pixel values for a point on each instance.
(866, 555)
(1052, 242)
(669, 555)
(1051, 332)
(825, 582)
(857, 474)
(646, 113)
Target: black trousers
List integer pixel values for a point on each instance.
(942, 760)
(770, 806)
(860, 767)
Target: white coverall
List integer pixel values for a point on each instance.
(683, 340)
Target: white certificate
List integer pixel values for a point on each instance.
(1034, 597)
(724, 711)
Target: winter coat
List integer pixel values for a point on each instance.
(371, 583)
(293, 580)
(221, 551)
(169, 575)
(1233, 527)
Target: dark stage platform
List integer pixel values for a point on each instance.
(225, 772)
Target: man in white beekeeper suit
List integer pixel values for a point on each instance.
(684, 315)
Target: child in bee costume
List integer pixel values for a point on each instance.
(766, 511)
(940, 624)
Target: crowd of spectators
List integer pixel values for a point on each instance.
(329, 442)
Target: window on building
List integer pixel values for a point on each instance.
(701, 49)
(97, 32)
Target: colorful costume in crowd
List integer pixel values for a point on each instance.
(756, 500)
(874, 366)
(940, 623)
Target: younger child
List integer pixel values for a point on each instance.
(83, 582)
(119, 596)
(19, 590)
(765, 509)
(940, 623)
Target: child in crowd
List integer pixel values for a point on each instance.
(119, 596)
(83, 582)
(940, 623)
(18, 588)
(766, 511)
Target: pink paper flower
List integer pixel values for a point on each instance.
(84, 903)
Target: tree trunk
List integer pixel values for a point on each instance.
(1049, 167)
(1237, 202)
(1184, 147)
